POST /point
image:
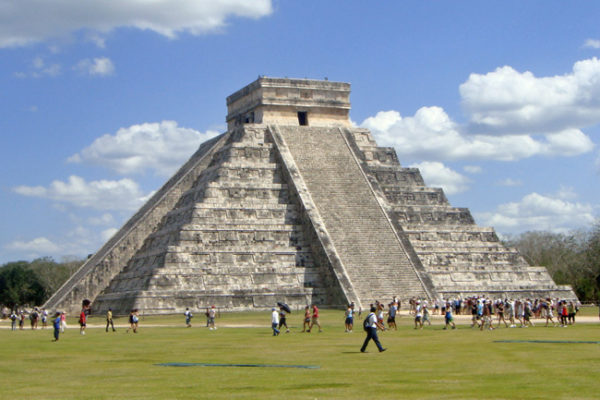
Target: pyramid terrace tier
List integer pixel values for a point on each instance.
(450, 233)
(431, 215)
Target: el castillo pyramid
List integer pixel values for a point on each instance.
(295, 204)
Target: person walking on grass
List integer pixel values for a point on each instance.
(391, 320)
(82, 321)
(57, 323)
(370, 325)
(487, 316)
(13, 321)
(63, 322)
(449, 318)
(22, 320)
(571, 311)
(188, 317)
(349, 322)
(418, 315)
(212, 313)
(425, 314)
(109, 320)
(44, 318)
(380, 308)
(133, 321)
(315, 319)
(306, 323)
(283, 320)
(275, 321)
(547, 307)
(500, 313)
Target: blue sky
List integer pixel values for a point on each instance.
(496, 102)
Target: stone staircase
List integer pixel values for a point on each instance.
(460, 257)
(371, 253)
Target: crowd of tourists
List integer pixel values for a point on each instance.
(486, 312)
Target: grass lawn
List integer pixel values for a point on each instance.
(430, 363)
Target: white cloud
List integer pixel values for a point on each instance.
(431, 135)
(40, 68)
(37, 246)
(509, 101)
(123, 194)
(162, 147)
(592, 43)
(437, 174)
(28, 21)
(510, 182)
(102, 66)
(539, 212)
(473, 169)
(108, 233)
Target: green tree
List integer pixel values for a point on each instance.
(19, 285)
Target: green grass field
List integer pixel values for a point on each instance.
(430, 363)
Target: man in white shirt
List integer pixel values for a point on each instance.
(274, 321)
(371, 328)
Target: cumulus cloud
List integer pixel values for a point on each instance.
(509, 101)
(539, 212)
(437, 174)
(432, 135)
(592, 43)
(123, 194)
(37, 246)
(162, 147)
(28, 21)
(102, 66)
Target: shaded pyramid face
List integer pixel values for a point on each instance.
(292, 204)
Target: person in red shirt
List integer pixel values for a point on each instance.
(83, 320)
(315, 319)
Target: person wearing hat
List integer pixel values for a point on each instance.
(274, 321)
(371, 325)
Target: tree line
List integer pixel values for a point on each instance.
(32, 283)
(571, 259)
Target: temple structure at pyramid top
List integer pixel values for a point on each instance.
(294, 204)
(291, 102)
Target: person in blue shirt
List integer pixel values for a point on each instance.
(349, 317)
(56, 323)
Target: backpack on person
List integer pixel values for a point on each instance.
(366, 323)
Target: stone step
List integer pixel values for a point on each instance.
(450, 235)
(433, 216)
(416, 196)
(351, 213)
(457, 247)
(396, 175)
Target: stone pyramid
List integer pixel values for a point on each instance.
(294, 204)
